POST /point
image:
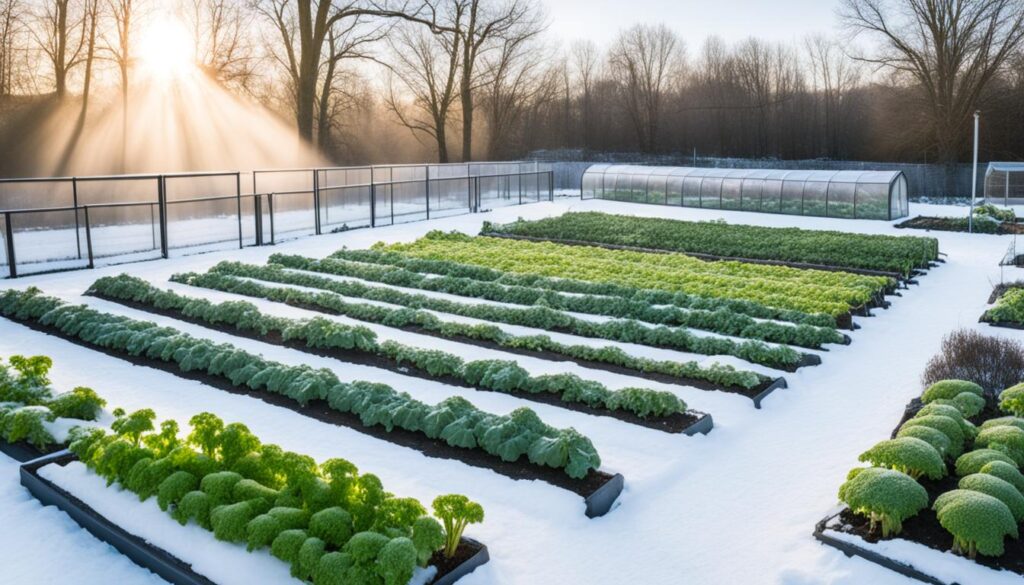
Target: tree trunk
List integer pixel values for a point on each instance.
(466, 98)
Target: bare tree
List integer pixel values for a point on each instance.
(835, 76)
(950, 49)
(223, 44)
(118, 48)
(61, 36)
(426, 66)
(585, 60)
(646, 61)
(11, 27)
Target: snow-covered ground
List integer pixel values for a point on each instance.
(736, 506)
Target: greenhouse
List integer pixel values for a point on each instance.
(842, 194)
(1004, 183)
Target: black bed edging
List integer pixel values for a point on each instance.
(775, 385)
(688, 423)
(155, 559)
(595, 481)
(22, 451)
(851, 549)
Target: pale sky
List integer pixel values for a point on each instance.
(694, 20)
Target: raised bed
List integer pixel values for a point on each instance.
(22, 451)
(470, 555)
(958, 224)
(596, 488)
(922, 535)
(689, 423)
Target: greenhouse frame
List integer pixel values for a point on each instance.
(1004, 183)
(841, 194)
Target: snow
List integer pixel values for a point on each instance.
(736, 506)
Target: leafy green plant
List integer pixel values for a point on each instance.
(944, 424)
(1011, 400)
(974, 461)
(978, 522)
(456, 512)
(885, 496)
(997, 488)
(25, 423)
(1006, 472)
(81, 403)
(949, 389)
(911, 456)
(1006, 439)
(938, 440)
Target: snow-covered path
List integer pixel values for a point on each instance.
(737, 506)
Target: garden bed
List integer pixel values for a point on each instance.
(908, 553)
(23, 451)
(598, 489)
(470, 554)
(959, 224)
(688, 423)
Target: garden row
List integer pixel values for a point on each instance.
(519, 445)
(328, 522)
(356, 344)
(948, 479)
(543, 318)
(809, 291)
(610, 358)
(717, 317)
(1009, 307)
(899, 255)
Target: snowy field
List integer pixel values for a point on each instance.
(735, 507)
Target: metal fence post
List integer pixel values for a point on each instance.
(161, 194)
(316, 201)
(427, 167)
(238, 205)
(270, 207)
(373, 200)
(551, 186)
(469, 191)
(88, 236)
(74, 200)
(12, 263)
(257, 213)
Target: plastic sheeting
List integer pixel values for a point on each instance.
(842, 194)
(1004, 182)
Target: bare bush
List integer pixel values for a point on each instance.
(992, 362)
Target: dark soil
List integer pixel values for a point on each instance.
(676, 423)
(665, 378)
(925, 528)
(955, 224)
(465, 551)
(320, 410)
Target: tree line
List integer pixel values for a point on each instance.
(485, 79)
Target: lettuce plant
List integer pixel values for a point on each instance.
(885, 496)
(978, 522)
(908, 455)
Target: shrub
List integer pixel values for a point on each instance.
(1011, 400)
(977, 521)
(909, 455)
(993, 363)
(973, 461)
(947, 426)
(997, 488)
(885, 496)
(456, 512)
(1007, 439)
(969, 404)
(81, 403)
(948, 389)
(1012, 421)
(1005, 472)
(951, 411)
(935, 438)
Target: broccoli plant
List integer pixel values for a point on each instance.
(235, 442)
(997, 488)
(969, 404)
(81, 403)
(978, 522)
(164, 442)
(885, 496)
(428, 537)
(973, 461)
(909, 455)
(396, 562)
(456, 512)
(206, 428)
(941, 408)
(936, 439)
(332, 525)
(944, 424)
(1008, 439)
(133, 425)
(1011, 400)
(229, 521)
(287, 544)
(1006, 472)
(174, 487)
(948, 389)
(1005, 421)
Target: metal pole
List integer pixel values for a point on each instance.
(88, 237)
(270, 205)
(469, 190)
(974, 176)
(74, 199)
(373, 200)
(428, 190)
(257, 213)
(11, 261)
(161, 195)
(238, 205)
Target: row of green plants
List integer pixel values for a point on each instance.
(543, 318)
(612, 293)
(28, 402)
(454, 421)
(940, 439)
(720, 321)
(428, 323)
(320, 333)
(816, 291)
(901, 255)
(1009, 308)
(330, 523)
